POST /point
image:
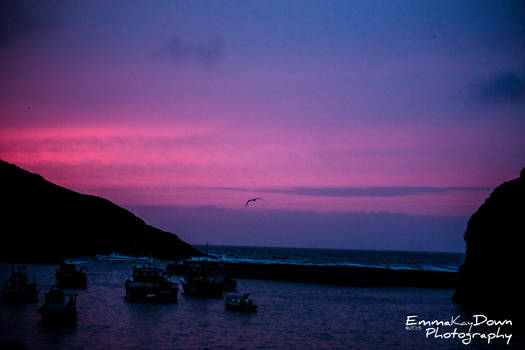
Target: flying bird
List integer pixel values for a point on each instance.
(252, 200)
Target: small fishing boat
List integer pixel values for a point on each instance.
(199, 270)
(205, 276)
(202, 279)
(71, 275)
(149, 282)
(59, 308)
(240, 302)
(17, 288)
(202, 286)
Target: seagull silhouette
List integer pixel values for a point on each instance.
(252, 200)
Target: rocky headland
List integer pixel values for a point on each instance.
(42, 223)
(491, 279)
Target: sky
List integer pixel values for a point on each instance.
(367, 118)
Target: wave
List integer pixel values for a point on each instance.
(227, 259)
(120, 257)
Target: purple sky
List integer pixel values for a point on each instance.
(353, 107)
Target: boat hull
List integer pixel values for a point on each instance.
(146, 292)
(29, 295)
(241, 308)
(203, 288)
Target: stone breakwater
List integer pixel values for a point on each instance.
(338, 275)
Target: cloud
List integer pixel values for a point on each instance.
(298, 228)
(504, 87)
(178, 50)
(378, 191)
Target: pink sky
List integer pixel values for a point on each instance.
(183, 165)
(208, 104)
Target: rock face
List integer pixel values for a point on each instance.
(491, 278)
(42, 223)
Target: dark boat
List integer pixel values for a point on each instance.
(240, 302)
(17, 289)
(181, 268)
(203, 279)
(59, 308)
(149, 282)
(71, 275)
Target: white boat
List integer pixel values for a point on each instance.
(240, 302)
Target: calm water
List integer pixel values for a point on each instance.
(290, 316)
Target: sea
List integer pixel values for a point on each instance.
(290, 315)
(395, 260)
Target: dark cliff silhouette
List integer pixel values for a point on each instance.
(42, 223)
(490, 280)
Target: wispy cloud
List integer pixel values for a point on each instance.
(504, 87)
(185, 164)
(378, 191)
(179, 50)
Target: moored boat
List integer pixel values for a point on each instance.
(240, 302)
(17, 288)
(71, 275)
(59, 308)
(149, 282)
(202, 279)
